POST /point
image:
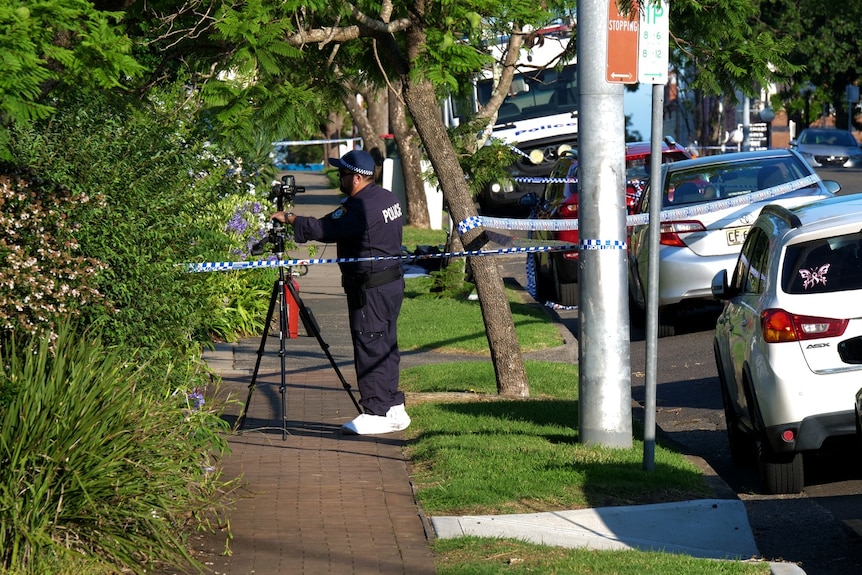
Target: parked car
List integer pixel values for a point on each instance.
(828, 147)
(700, 240)
(788, 344)
(503, 198)
(557, 272)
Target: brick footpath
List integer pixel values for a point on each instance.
(315, 501)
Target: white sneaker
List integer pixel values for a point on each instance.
(398, 416)
(396, 419)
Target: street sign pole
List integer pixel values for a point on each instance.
(604, 380)
(653, 69)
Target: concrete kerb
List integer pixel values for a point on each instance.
(709, 528)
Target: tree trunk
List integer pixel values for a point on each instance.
(377, 108)
(407, 140)
(499, 325)
(332, 132)
(371, 138)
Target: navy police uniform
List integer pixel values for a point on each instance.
(368, 225)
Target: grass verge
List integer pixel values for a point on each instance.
(491, 456)
(478, 556)
(473, 452)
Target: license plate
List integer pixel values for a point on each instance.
(736, 236)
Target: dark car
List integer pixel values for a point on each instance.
(556, 273)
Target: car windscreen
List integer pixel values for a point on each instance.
(722, 180)
(827, 138)
(536, 94)
(823, 265)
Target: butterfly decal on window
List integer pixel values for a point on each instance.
(814, 276)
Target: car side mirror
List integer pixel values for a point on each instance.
(832, 186)
(720, 289)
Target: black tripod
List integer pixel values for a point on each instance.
(280, 290)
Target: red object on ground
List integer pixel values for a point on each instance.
(292, 310)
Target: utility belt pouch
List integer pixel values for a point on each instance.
(354, 289)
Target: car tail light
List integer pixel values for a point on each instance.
(670, 232)
(779, 326)
(569, 211)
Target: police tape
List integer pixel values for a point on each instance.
(557, 225)
(520, 224)
(275, 263)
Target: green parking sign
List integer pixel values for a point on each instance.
(653, 44)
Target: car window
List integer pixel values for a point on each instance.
(824, 265)
(637, 168)
(828, 138)
(807, 137)
(751, 267)
(726, 180)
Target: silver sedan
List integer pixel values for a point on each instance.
(828, 147)
(708, 205)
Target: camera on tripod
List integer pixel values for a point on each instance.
(286, 189)
(282, 191)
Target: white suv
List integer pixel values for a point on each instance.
(788, 344)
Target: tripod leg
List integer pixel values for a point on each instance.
(311, 325)
(241, 420)
(282, 353)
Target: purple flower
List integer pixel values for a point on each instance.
(196, 399)
(237, 223)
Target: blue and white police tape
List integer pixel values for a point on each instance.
(274, 263)
(590, 245)
(526, 180)
(519, 151)
(533, 225)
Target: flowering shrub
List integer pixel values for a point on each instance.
(42, 275)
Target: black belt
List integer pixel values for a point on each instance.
(373, 279)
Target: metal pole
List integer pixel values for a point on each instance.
(605, 363)
(652, 286)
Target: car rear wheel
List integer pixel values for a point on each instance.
(666, 324)
(566, 287)
(544, 291)
(637, 304)
(779, 474)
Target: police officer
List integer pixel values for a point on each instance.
(367, 224)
